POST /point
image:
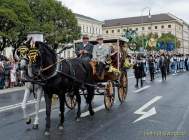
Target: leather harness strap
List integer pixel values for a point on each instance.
(50, 66)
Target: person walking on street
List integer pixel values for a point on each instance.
(163, 66)
(151, 63)
(138, 71)
(186, 63)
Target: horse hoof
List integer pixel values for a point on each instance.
(28, 121)
(35, 126)
(61, 127)
(92, 113)
(47, 133)
(77, 119)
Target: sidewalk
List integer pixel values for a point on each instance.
(11, 90)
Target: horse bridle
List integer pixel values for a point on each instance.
(33, 54)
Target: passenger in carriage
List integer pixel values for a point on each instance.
(85, 50)
(100, 53)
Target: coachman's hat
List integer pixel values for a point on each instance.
(85, 37)
(99, 37)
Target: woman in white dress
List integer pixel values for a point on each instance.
(13, 74)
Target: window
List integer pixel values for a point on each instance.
(142, 28)
(124, 30)
(156, 27)
(149, 28)
(169, 26)
(118, 30)
(136, 29)
(162, 27)
(106, 31)
(112, 31)
(87, 29)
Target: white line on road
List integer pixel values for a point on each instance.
(146, 114)
(131, 77)
(141, 89)
(10, 107)
(95, 110)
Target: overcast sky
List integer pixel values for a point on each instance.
(109, 9)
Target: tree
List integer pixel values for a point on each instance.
(17, 19)
(8, 22)
(166, 38)
(57, 22)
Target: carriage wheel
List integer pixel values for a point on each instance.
(109, 95)
(70, 101)
(123, 87)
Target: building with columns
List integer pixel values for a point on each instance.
(158, 24)
(89, 26)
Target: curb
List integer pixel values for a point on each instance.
(11, 90)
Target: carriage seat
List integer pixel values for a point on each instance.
(110, 72)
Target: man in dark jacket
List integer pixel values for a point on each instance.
(85, 50)
(163, 66)
(151, 63)
(186, 63)
(138, 71)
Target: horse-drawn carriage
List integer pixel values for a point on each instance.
(115, 77)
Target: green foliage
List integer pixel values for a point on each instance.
(169, 38)
(18, 17)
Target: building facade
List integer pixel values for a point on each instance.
(89, 26)
(143, 25)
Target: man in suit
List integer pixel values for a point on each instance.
(100, 53)
(84, 51)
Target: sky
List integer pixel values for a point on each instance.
(110, 9)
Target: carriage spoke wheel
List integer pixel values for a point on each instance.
(109, 95)
(123, 87)
(70, 101)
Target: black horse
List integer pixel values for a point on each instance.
(60, 77)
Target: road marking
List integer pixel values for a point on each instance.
(95, 110)
(146, 114)
(141, 89)
(41, 110)
(10, 107)
(131, 77)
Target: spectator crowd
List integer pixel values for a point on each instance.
(9, 74)
(164, 63)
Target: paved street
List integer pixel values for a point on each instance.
(171, 116)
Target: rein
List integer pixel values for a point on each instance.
(50, 66)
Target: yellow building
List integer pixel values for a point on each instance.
(89, 26)
(159, 24)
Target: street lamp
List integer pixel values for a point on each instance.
(142, 20)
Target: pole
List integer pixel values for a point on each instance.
(142, 23)
(118, 61)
